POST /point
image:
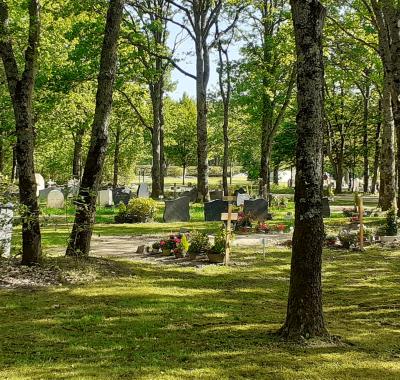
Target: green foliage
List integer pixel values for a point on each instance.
(219, 241)
(391, 223)
(138, 210)
(199, 242)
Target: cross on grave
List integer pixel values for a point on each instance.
(228, 217)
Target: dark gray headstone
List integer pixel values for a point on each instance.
(214, 209)
(257, 208)
(177, 210)
(43, 194)
(326, 210)
(241, 190)
(216, 194)
(143, 191)
(192, 194)
(121, 195)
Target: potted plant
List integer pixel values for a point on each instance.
(263, 227)
(348, 238)
(281, 228)
(388, 232)
(156, 247)
(198, 244)
(244, 223)
(216, 253)
(182, 247)
(331, 240)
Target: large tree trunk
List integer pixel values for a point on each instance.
(21, 92)
(79, 242)
(14, 166)
(377, 156)
(202, 77)
(276, 175)
(162, 159)
(391, 12)
(1, 154)
(387, 194)
(77, 157)
(116, 155)
(156, 100)
(365, 136)
(304, 312)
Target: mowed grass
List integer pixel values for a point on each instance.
(213, 322)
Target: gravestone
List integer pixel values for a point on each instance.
(216, 194)
(241, 190)
(72, 187)
(214, 209)
(240, 198)
(326, 210)
(177, 210)
(44, 193)
(105, 198)
(40, 184)
(192, 194)
(143, 191)
(6, 224)
(121, 195)
(258, 209)
(55, 199)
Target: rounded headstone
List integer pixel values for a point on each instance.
(55, 199)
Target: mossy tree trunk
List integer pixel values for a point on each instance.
(304, 311)
(79, 241)
(21, 87)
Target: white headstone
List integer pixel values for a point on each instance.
(143, 191)
(241, 198)
(40, 184)
(55, 199)
(6, 220)
(105, 198)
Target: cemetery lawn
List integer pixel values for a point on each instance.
(153, 321)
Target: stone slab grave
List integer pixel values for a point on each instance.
(55, 199)
(258, 209)
(105, 198)
(40, 183)
(216, 194)
(121, 195)
(177, 210)
(214, 209)
(326, 210)
(6, 225)
(192, 194)
(143, 191)
(240, 198)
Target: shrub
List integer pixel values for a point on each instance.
(138, 210)
(348, 238)
(279, 201)
(391, 223)
(219, 242)
(198, 242)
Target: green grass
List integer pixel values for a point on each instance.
(169, 322)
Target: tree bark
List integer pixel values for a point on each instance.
(77, 157)
(304, 312)
(1, 154)
(387, 193)
(116, 156)
(276, 175)
(202, 77)
(21, 91)
(79, 241)
(377, 156)
(365, 134)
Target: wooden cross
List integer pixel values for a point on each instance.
(228, 217)
(361, 220)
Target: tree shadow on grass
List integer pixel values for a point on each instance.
(183, 323)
